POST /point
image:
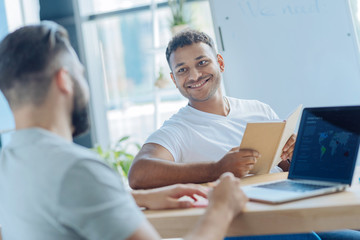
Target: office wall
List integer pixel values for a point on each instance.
(288, 52)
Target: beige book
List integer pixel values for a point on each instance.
(269, 138)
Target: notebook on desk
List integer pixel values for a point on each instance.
(324, 157)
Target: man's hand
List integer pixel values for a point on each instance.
(227, 193)
(237, 161)
(226, 201)
(168, 197)
(287, 153)
(288, 149)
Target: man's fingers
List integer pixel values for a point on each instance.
(288, 154)
(189, 190)
(290, 151)
(249, 153)
(289, 143)
(245, 152)
(248, 167)
(248, 160)
(174, 203)
(229, 176)
(226, 175)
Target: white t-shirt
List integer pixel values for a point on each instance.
(195, 136)
(53, 189)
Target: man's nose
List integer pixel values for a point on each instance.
(194, 74)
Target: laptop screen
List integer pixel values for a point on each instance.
(327, 144)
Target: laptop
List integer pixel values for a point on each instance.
(324, 157)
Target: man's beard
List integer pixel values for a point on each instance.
(79, 117)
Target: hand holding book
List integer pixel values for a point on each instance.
(288, 149)
(269, 139)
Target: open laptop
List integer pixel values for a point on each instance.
(324, 157)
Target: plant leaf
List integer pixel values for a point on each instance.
(123, 139)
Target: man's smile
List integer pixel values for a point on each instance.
(198, 84)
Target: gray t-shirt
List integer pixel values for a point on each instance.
(53, 189)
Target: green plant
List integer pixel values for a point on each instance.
(177, 11)
(119, 156)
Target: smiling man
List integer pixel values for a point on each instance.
(201, 141)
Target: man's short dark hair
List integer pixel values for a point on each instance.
(186, 38)
(29, 58)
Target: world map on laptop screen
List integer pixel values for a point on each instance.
(327, 145)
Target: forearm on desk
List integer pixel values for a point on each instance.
(150, 173)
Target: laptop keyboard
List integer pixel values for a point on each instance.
(292, 186)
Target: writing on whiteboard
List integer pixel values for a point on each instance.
(271, 8)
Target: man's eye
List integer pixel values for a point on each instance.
(181, 70)
(202, 62)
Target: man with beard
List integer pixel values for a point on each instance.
(51, 188)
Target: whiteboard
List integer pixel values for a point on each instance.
(287, 52)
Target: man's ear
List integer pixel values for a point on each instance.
(63, 81)
(173, 78)
(221, 62)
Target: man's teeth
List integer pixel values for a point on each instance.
(198, 85)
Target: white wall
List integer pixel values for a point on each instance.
(288, 52)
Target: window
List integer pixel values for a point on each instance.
(94, 7)
(125, 43)
(13, 14)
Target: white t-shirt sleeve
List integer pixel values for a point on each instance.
(170, 138)
(93, 202)
(270, 112)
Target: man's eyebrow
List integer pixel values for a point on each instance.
(199, 57)
(179, 64)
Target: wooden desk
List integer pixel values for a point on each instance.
(323, 213)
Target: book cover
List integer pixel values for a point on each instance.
(269, 138)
